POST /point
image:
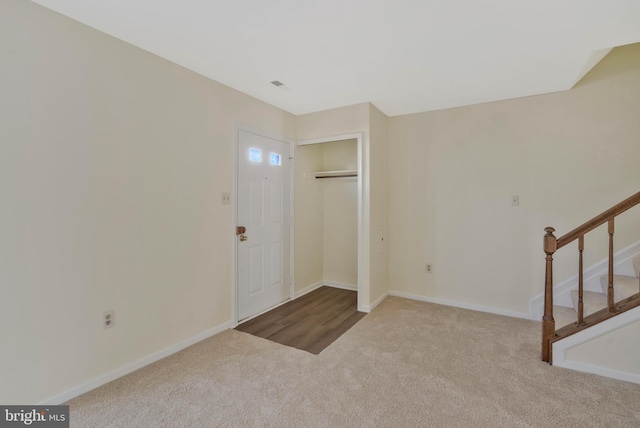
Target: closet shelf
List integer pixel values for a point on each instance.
(337, 174)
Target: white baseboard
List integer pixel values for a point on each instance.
(562, 291)
(308, 289)
(455, 304)
(342, 285)
(133, 366)
(369, 308)
(601, 371)
(319, 284)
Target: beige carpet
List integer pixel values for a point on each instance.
(406, 364)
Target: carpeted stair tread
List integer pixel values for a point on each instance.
(623, 286)
(563, 315)
(592, 301)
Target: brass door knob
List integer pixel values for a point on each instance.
(243, 238)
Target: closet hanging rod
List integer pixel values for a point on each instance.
(336, 174)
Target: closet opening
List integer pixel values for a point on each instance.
(328, 212)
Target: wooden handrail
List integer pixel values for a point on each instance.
(551, 245)
(599, 220)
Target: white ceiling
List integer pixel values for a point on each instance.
(404, 56)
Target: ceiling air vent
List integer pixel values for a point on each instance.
(277, 83)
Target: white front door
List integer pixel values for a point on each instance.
(263, 263)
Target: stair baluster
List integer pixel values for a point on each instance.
(580, 281)
(610, 302)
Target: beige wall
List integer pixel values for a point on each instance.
(334, 122)
(308, 217)
(378, 202)
(112, 165)
(568, 156)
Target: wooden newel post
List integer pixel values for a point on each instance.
(548, 323)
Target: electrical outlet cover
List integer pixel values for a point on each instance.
(108, 319)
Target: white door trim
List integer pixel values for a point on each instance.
(234, 276)
(363, 210)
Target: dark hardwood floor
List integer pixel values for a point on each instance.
(311, 322)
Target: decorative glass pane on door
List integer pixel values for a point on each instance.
(255, 155)
(274, 159)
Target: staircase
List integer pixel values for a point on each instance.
(624, 287)
(620, 293)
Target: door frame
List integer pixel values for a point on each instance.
(234, 276)
(363, 214)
